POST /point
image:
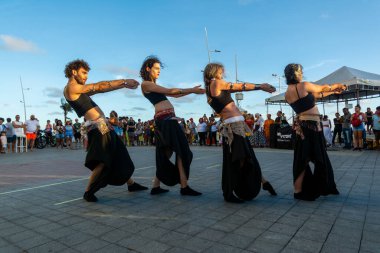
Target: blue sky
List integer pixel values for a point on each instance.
(38, 38)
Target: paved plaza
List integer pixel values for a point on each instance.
(42, 210)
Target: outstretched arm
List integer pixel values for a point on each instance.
(172, 92)
(326, 94)
(236, 87)
(104, 86)
(327, 89)
(320, 91)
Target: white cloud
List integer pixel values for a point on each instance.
(36, 106)
(52, 102)
(119, 77)
(132, 93)
(136, 108)
(320, 64)
(53, 92)
(11, 43)
(121, 71)
(55, 113)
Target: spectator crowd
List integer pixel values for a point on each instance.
(348, 130)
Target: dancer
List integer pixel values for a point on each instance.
(241, 175)
(107, 157)
(310, 145)
(169, 135)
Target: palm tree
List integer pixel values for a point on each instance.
(66, 107)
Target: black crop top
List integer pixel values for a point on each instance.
(82, 104)
(155, 97)
(303, 104)
(218, 102)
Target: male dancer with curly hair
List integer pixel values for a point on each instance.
(107, 157)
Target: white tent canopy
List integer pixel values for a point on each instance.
(360, 84)
(351, 76)
(276, 98)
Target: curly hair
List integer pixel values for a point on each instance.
(75, 65)
(210, 72)
(292, 73)
(149, 62)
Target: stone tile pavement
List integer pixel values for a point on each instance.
(41, 209)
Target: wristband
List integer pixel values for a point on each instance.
(243, 86)
(257, 87)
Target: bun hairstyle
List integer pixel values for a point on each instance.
(293, 73)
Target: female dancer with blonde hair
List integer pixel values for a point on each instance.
(241, 175)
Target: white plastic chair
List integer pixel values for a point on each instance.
(20, 143)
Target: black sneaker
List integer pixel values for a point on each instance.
(158, 190)
(89, 197)
(136, 187)
(189, 192)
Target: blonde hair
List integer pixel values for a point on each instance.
(293, 73)
(210, 72)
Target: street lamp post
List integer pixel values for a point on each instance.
(208, 49)
(238, 95)
(279, 85)
(279, 81)
(23, 98)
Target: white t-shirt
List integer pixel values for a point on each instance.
(19, 131)
(31, 125)
(202, 127)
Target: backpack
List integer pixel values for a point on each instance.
(356, 121)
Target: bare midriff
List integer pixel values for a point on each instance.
(94, 114)
(163, 106)
(230, 111)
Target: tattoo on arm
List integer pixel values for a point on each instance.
(101, 87)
